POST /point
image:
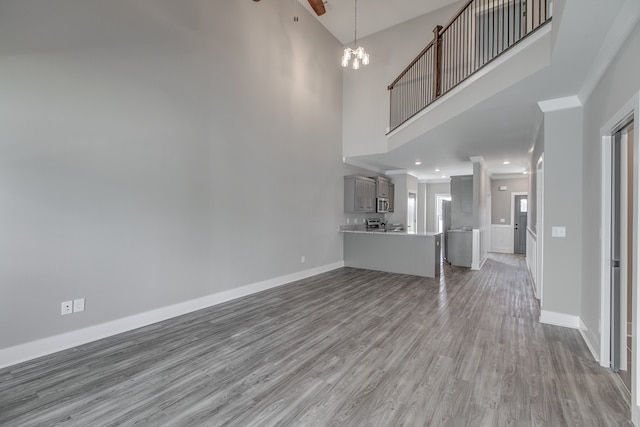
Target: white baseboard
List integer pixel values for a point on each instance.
(503, 250)
(31, 350)
(475, 266)
(586, 336)
(560, 319)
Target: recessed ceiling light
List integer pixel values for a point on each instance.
(525, 173)
(444, 176)
(437, 169)
(506, 162)
(418, 163)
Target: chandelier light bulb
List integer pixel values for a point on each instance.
(359, 55)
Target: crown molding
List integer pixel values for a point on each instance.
(509, 176)
(361, 165)
(558, 104)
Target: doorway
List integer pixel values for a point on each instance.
(628, 114)
(521, 207)
(441, 224)
(621, 252)
(412, 213)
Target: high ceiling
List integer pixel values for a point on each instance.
(373, 15)
(503, 127)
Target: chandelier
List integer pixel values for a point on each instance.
(359, 55)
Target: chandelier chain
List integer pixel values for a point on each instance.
(355, 23)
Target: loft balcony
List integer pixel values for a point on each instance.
(478, 34)
(485, 47)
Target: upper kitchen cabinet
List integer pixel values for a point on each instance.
(392, 195)
(383, 187)
(359, 194)
(462, 193)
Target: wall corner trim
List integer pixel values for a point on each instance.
(31, 350)
(560, 319)
(478, 159)
(587, 336)
(560, 104)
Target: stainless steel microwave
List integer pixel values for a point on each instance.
(382, 205)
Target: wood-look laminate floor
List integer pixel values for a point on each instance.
(346, 348)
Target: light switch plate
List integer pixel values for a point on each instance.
(78, 305)
(558, 231)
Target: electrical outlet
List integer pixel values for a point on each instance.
(303, 259)
(67, 307)
(78, 305)
(347, 220)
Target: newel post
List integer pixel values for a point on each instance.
(437, 61)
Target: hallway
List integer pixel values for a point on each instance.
(348, 347)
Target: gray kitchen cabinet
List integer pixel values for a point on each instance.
(462, 194)
(382, 187)
(392, 196)
(466, 200)
(359, 194)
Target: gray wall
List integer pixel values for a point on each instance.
(501, 200)
(617, 86)
(563, 141)
(432, 190)
(156, 152)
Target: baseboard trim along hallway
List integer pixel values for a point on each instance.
(34, 349)
(589, 339)
(559, 319)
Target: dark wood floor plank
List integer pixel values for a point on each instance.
(348, 347)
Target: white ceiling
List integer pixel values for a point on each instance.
(373, 15)
(504, 127)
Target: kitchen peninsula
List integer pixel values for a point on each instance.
(393, 252)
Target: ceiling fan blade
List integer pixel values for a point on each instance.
(317, 6)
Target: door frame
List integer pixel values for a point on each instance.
(630, 110)
(540, 227)
(414, 226)
(513, 207)
(438, 196)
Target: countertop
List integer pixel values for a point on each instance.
(363, 230)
